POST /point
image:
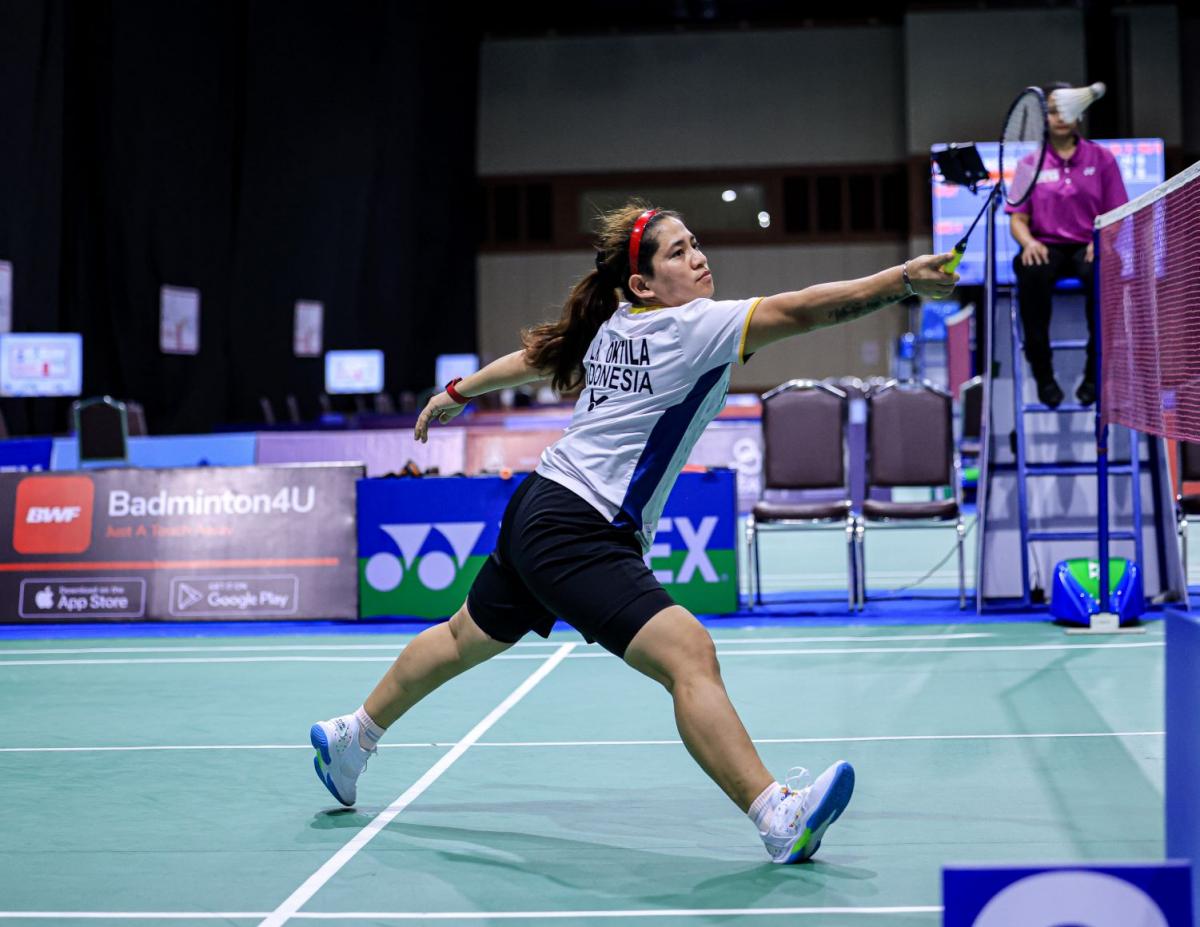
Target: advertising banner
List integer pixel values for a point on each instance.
(422, 541)
(492, 448)
(210, 543)
(739, 446)
(734, 444)
(383, 451)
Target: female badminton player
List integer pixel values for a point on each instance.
(652, 351)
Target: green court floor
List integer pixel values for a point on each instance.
(164, 781)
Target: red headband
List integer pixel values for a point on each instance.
(635, 240)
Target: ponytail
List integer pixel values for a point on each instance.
(558, 347)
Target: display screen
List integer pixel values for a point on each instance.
(955, 207)
(353, 372)
(46, 364)
(450, 366)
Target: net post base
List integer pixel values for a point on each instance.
(1107, 623)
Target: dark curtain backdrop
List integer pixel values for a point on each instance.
(260, 152)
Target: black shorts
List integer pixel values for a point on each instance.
(558, 556)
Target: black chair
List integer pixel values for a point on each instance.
(910, 443)
(102, 426)
(804, 439)
(1189, 504)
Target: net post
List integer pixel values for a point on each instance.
(1101, 433)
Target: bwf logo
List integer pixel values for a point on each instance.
(436, 569)
(53, 515)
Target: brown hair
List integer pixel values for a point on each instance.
(558, 347)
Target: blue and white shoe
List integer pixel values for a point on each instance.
(801, 817)
(340, 759)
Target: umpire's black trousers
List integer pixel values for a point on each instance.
(1035, 290)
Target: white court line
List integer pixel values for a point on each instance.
(297, 899)
(595, 743)
(394, 648)
(603, 654)
(473, 915)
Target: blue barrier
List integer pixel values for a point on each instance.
(1183, 741)
(25, 455)
(1083, 894)
(222, 450)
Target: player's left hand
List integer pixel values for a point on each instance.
(440, 407)
(1090, 253)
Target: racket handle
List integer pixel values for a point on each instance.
(952, 265)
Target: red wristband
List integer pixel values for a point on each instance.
(455, 394)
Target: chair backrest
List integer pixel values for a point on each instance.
(1189, 461)
(136, 418)
(853, 387)
(910, 439)
(102, 426)
(970, 395)
(804, 431)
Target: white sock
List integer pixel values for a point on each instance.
(368, 731)
(767, 799)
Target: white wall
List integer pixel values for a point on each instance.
(691, 100)
(963, 69)
(517, 290)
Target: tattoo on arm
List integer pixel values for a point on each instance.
(855, 310)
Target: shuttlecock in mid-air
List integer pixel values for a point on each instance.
(1071, 102)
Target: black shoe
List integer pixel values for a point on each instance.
(1086, 394)
(1049, 393)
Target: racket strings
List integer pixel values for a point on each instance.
(1023, 145)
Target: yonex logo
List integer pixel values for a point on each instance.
(47, 514)
(695, 539)
(53, 515)
(437, 569)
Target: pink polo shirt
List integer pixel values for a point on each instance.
(1070, 194)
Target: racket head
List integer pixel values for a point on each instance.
(1023, 143)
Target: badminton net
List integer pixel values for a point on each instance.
(1148, 274)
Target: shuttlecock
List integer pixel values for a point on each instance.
(1072, 102)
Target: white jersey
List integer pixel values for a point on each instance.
(653, 380)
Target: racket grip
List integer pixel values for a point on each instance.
(951, 265)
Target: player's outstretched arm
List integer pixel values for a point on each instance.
(787, 314)
(506, 371)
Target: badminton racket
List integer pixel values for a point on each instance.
(1022, 151)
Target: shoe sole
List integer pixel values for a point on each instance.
(316, 736)
(836, 798)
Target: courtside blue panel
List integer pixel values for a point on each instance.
(1113, 895)
(1183, 741)
(25, 455)
(223, 450)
